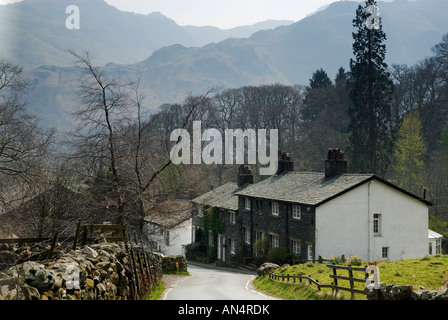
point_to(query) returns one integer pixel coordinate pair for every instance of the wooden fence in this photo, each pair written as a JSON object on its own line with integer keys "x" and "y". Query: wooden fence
{"x": 144, "y": 274}
{"x": 334, "y": 285}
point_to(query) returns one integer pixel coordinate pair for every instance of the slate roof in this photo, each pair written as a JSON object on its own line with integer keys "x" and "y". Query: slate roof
{"x": 169, "y": 214}
{"x": 222, "y": 197}
{"x": 310, "y": 188}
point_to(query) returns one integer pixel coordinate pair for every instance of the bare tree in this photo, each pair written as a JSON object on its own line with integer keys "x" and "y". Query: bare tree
{"x": 23, "y": 143}
{"x": 104, "y": 110}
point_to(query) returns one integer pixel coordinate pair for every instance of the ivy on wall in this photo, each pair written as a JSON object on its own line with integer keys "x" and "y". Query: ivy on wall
{"x": 213, "y": 225}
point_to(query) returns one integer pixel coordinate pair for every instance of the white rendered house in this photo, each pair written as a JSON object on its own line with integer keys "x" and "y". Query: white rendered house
{"x": 168, "y": 227}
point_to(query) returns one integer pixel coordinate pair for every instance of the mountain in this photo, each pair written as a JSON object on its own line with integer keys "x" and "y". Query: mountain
{"x": 209, "y": 34}
{"x": 287, "y": 54}
{"x": 33, "y": 33}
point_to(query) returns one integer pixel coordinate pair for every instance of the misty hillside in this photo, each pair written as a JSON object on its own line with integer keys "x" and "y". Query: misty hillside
{"x": 33, "y": 33}
{"x": 287, "y": 54}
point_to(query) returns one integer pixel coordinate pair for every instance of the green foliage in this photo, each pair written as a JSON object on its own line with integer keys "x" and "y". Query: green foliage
{"x": 261, "y": 248}
{"x": 410, "y": 152}
{"x": 371, "y": 88}
{"x": 280, "y": 255}
{"x": 427, "y": 272}
{"x": 213, "y": 225}
{"x": 320, "y": 80}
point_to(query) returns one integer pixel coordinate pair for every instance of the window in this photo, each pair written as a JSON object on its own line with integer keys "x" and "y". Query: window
{"x": 296, "y": 213}
{"x": 310, "y": 252}
{"x": 274, "y": 209}
{"x": 377, "y": 224}
{"x": 438, "y": 246}
{"x": 247, "y": 203}
{"x": 385, "y": 252}
{"x": 258, "y": 235}
{"x": 166, "y": 237}
{"x": 246, "y": 235}
{"x": 259, "y": 207}
{"x": 210, "y": 238}
{"x": 232, "y": 245}
{"x": 232, "y": 217}
{"x": 295, "y": 247}
{"x": 275, "y": 242}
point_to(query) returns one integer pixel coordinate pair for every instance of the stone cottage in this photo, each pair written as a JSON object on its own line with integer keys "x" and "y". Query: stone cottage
{"x": 321, "y": 214}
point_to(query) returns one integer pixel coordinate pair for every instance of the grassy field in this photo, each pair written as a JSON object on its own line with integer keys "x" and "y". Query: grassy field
{"x": 429, "y": 273}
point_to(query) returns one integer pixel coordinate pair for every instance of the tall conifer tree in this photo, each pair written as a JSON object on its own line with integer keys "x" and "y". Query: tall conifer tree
{"x": 370, "y": 88}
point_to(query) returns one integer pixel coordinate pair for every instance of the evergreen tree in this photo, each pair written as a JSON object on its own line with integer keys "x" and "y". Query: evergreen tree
{"x": 370, "y": 89}
{"x": 410, "y": 153}
{"x": 320, "y": 80}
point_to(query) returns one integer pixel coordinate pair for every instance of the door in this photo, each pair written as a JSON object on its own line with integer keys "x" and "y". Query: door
{"x": 310, "y": 252}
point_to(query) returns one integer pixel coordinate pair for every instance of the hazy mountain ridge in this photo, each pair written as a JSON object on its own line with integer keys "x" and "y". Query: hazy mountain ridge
{"x": 287, "y": 54}
{"x": 33, "y": 33}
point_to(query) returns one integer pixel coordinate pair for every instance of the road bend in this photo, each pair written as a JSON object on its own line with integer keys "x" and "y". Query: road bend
{"x": 214, "y": 284}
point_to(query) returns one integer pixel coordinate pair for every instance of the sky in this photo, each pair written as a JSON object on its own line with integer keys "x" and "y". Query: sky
{"x": 224, "y": 14}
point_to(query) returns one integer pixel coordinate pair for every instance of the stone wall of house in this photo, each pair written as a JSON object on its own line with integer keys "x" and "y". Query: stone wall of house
{"x": 282, "y": 225}
{"x": 99, "y": 271}
{"x": 396, "y": 292}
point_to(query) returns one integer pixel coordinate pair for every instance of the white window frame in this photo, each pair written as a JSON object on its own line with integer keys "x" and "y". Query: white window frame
{"x": 247, "y": 203}
{"x": 246, "y": 235}
{"x": 232, "y": 217}
{"x": 296, "y": 247}
{"x": 275, "y": 241}
{"x": 275, "y": 209}
{"x": 438, "y": 246}
{"x": 377, "y": 224}
{"x": 296, "y": 212}
{"x": 310, "y": 252}
{"x": 232, "y": 245}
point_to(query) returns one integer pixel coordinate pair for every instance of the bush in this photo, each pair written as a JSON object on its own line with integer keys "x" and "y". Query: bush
{"x": 194, "y": 250}
{"x": 280, "y": 256}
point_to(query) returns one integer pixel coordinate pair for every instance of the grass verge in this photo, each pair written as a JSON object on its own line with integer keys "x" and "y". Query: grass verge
{"x": 429, "y": 273}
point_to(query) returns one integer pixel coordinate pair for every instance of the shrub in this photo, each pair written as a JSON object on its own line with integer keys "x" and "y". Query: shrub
{"x": 280, "y": 256}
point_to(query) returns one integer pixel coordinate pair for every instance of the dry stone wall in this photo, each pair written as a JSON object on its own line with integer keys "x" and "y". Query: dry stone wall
{"x": 99, "y": 271}
{"x": 399, "y": 292}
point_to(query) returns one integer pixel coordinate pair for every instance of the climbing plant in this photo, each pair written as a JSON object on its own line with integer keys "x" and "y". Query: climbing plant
{"x": 213, "y": 225}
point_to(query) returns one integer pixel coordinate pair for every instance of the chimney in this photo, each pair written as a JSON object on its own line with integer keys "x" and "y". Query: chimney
{"x": 285, "y": 162}
{"x": 245, "y": 176}
{"x": 335, "y": 162}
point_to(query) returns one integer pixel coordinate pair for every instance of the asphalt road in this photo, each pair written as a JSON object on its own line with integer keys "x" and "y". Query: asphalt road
{"x": 214, "y": 284}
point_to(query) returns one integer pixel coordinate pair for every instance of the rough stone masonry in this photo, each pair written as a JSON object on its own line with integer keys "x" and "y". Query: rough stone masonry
{"x": 95, "y": 272}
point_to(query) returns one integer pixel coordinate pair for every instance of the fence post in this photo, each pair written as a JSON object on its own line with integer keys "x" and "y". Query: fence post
{"x": 76, "y": 234}
{"x": 352, "y": 285}
{"x": 53, "y": 245}
{"x": 335, "y": 279}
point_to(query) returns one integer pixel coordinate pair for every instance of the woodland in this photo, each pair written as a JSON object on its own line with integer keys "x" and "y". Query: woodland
{"x": 115, "y": 166}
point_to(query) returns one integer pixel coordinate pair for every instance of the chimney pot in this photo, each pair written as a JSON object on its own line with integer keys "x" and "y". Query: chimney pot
{"x": 335, "y": 162}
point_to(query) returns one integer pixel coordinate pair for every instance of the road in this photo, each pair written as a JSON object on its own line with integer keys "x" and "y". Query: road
{"x": 214, "y": 284}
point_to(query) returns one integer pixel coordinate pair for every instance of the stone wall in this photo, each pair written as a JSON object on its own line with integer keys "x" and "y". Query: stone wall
{"x": 169, "y": 264}
{"x": 396, "y": 292}
{"x": 95, "y": 272}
